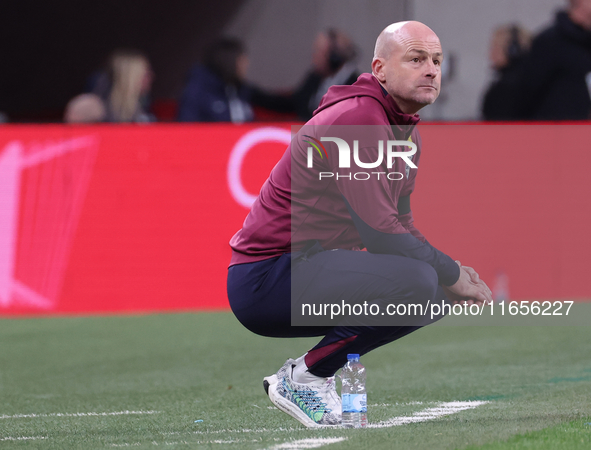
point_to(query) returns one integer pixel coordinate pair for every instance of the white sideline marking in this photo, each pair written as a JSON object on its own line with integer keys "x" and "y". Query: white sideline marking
{"x": 92, "y": 414}
{"x": 440, "y": 410}
{"x": 22, "y": 438}
{"x": 216, "y": 441}
{"x": 444, "y": 409}
{"x": 396, "y": 404}
{"x": 247, "y": 430}
{"x": 307, "y": 443}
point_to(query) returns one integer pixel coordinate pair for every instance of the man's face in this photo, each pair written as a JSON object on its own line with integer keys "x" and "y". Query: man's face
{"x": 320, "y": 54}
{"x": 412, "y": 70}
{"x": 242, "y": 63}
{"x": 581, "y": 10}
{"x": 497, "y": 50}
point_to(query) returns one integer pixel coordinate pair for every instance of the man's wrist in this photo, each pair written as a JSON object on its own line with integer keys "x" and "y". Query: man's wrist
{"x": 451, "y": 278}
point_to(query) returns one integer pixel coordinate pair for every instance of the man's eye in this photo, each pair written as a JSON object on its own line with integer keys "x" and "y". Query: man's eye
{"x": 437, "y": 62}
{"x": 415, "y": 60}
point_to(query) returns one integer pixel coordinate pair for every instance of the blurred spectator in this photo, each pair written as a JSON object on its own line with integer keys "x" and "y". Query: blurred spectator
{"x": 332, "y": 63}
{"x": 85, "y": 108}
{"x": 215, "y": 91}
{"x": 557, "y": 78}
{"x": 508, "y": 47}
{"x": 130, "y": 78}
{"x": 124, "y": 86}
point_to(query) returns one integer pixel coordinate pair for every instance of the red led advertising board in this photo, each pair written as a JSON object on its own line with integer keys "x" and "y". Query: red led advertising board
{"x": 107, "y": 219}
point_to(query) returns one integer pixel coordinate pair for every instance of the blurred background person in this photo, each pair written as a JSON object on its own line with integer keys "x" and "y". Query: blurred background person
{"x": 557, "y": 78}
{"x": 508, "y": 47}
{"x": 216, "y": 91}
{"x": 85, "y": 108}
{"x": 130, "y": 77}
{"x": 124, "y": 86}
{"x": 333, "y": 62}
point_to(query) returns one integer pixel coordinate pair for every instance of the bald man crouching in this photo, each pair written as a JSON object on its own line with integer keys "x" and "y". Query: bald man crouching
{"x": 299, "y": 248}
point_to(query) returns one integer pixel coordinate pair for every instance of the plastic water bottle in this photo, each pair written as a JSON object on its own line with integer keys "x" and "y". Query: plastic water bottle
{"x": 353, "y": 393}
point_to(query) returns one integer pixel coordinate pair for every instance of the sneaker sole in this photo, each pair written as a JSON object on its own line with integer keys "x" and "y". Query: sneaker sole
{"x": 268, "y": 381}
{"x": 288, "y": 407}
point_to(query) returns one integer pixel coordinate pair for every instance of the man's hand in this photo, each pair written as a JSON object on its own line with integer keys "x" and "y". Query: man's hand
{"x": 469, "y": 287}
{"x": 473, "y": 275}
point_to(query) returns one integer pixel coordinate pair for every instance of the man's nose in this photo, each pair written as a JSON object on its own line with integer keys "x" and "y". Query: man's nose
{"x": 432, "y": 69}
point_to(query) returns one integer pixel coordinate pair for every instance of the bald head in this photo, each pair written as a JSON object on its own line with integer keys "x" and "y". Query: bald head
{"x": 407, "y": 63}
{"x": 398, "y": 34}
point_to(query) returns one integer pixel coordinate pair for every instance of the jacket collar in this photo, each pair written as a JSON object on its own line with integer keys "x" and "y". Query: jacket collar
{"x": 395, "y": 114}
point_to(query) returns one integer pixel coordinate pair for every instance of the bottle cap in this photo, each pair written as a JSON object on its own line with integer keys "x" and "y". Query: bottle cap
{"x": 352, "y": 356}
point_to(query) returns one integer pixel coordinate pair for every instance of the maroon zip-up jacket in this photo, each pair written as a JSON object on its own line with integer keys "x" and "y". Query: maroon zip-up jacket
{"x": 342, "y": 207}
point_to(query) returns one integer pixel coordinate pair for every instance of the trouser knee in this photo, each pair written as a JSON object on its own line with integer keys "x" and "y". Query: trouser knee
{"x": 423, "y": 283}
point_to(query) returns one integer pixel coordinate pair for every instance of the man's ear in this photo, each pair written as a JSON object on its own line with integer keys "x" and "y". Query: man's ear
{"x": 377, "y": 68}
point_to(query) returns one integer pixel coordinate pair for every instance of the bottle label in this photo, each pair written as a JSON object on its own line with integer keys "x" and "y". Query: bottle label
{"x": 354, "y": 402}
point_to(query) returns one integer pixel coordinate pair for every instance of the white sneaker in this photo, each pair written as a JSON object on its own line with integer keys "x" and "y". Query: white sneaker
{"x": 313, "y": 404}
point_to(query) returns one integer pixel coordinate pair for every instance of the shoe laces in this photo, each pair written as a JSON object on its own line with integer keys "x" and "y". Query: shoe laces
{"x": 312, "y": 398}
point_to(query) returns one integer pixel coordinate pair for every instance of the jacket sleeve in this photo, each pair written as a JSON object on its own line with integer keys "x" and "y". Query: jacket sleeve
{"x": 407, "y": 245}
{"x": 406, "y": 219}
{"x": 374, "y": 207}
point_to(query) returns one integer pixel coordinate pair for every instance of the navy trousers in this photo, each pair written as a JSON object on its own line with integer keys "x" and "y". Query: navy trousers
{"x": 261, "y": 297}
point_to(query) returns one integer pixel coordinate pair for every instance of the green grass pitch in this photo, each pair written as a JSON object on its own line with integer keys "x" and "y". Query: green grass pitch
{"x": 195, "y": 381}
